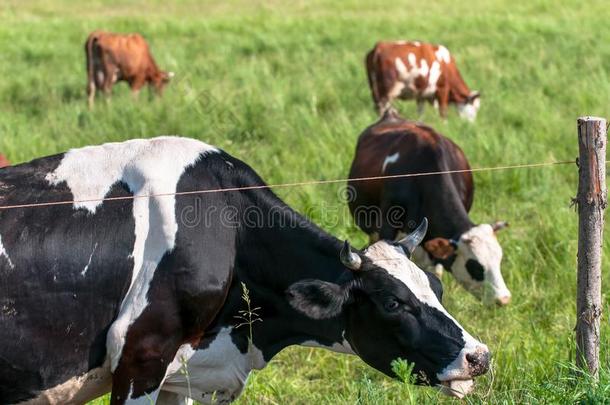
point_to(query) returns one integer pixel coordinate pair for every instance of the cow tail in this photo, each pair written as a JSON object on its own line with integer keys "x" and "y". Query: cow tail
{"x": 89, "y": 55}
{"x": 370, "y": 70}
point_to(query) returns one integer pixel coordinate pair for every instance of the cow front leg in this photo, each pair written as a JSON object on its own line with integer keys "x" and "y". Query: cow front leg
{"x": 141, "y": 352}
{"x": 136, "y": 85}
{"x": 142, "y": 368}
{"x": 443, "y": 101}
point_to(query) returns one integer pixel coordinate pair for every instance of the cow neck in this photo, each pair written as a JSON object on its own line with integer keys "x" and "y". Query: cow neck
{"x": 287, "y": 247}
{"x": 459, "y": 92}
{"x": 273, "y": 257}
{"x": 451, "y": 219}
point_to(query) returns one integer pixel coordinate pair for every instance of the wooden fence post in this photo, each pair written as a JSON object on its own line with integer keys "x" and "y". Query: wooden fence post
{"x": 591, "y": 199}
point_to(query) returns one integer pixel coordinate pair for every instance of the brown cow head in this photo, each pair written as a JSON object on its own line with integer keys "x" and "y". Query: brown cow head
{"x": 160, "y": 79}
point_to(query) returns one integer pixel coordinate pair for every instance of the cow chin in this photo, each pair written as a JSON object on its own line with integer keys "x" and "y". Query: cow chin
{"x": 467, "y": 111}
{"x": 457, "y": 388}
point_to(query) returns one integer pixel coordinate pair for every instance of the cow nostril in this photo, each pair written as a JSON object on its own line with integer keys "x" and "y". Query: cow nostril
{"x": 472, "y": 358}
{"x": 501, "y": 301}
{"x": 478, "y": 362}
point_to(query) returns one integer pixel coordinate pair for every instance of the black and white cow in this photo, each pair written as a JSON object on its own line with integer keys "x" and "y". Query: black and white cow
{"x": 394, "y": 146}
{"x": 123, "y": 294}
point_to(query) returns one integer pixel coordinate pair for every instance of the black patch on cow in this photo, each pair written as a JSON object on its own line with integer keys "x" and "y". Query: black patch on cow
{"x": 57, "y": 317}
{"x": 317, "y": 299}
{"x": 446, "y": 263}
{"x": 476, "y": 271}
{"x": 436, "y": 285}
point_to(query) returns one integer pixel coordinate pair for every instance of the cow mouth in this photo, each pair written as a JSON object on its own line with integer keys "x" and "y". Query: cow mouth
{"x": 457, "y": 388}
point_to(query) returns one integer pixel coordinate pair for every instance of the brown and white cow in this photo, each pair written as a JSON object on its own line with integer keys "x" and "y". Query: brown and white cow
{"x": 420, "y": 71}
{"x": 386, "y": 209}
{"x": 115, "y": 57}
{"x": 4, "y": 161}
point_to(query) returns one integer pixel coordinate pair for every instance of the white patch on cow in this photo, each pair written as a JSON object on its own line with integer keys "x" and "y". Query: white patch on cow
{"x": 389, "y": 160}
{"x": 424, "y": 69}
{"x": 337, "y": 347}
{"x": 145, "y": 399}
{"x": 435, "y": 73}
{"x": 393, "y": 260}
{"x": 147, "y": 167}
{"x": 416, "y": 43}
{"x": 480, "y": 243}
{"x": 408, "y": 76}
{"x": 468, "y": 111}
{"x": 412, "y": 59}
{"x": 77, "y": 390}
{"x": 396, "y": 90}
{"x": 442, "y": 54}
{"x": 401, "y": 68}
{"x": 220, "y": 371}
{"x": 5, "y": 254}
{"x": 82, "y": 273}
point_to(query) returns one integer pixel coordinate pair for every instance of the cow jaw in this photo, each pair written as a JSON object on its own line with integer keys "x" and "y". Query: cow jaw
{"x": 457, "y": 388}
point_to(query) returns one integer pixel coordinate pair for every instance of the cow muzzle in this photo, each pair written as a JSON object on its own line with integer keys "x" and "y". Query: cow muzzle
{"x": 457, "y": 378}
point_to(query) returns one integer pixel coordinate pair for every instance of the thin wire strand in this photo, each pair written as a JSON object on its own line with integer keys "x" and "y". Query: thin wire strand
{"x": 285, "y": 185}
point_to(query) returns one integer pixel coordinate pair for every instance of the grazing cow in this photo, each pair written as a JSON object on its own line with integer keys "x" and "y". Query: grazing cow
{"x": 420, "y": 71}
{"x": 393, "y": 146}
{"x": 4, "y": 161}
{"x": 114, "y": 57}
{"x": 126, "y": 292}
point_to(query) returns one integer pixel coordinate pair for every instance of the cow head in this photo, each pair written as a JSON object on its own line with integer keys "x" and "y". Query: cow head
{"x": 474, "y": 260}
{"x": 392, "y": 309}
{"x": 161, "y": 79}
{"x": 469, "y": 108}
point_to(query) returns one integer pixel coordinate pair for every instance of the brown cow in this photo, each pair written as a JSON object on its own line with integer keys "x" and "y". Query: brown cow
{"x": 389, "y": 208}
{"x": 420, "y": 71}
{"x": 4, "y": 161}
{"x": 114, "y": 57}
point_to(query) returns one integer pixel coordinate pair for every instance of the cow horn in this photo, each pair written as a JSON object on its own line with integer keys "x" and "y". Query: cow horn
{"x": 350, "y": 259}
{"x": 412, "y": 240}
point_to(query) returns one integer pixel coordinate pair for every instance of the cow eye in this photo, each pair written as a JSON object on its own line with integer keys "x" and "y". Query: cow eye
{"x": 391, "y": 305}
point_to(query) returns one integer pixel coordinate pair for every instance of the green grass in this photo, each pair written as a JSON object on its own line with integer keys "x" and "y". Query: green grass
{"x": 282, "y": 86}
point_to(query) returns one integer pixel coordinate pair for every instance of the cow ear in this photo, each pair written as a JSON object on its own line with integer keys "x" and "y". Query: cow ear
{"x": 440, "y": 248}
{"x": 317, "y": 299}
{"x": 499, "y": 225}
{"x": 474, "y": 95}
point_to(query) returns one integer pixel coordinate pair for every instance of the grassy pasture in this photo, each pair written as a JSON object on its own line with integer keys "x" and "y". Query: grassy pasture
{"x": 282, "y": 86}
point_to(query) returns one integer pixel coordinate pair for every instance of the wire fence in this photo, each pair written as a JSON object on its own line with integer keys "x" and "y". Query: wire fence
{"x": 287, "y": 185}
